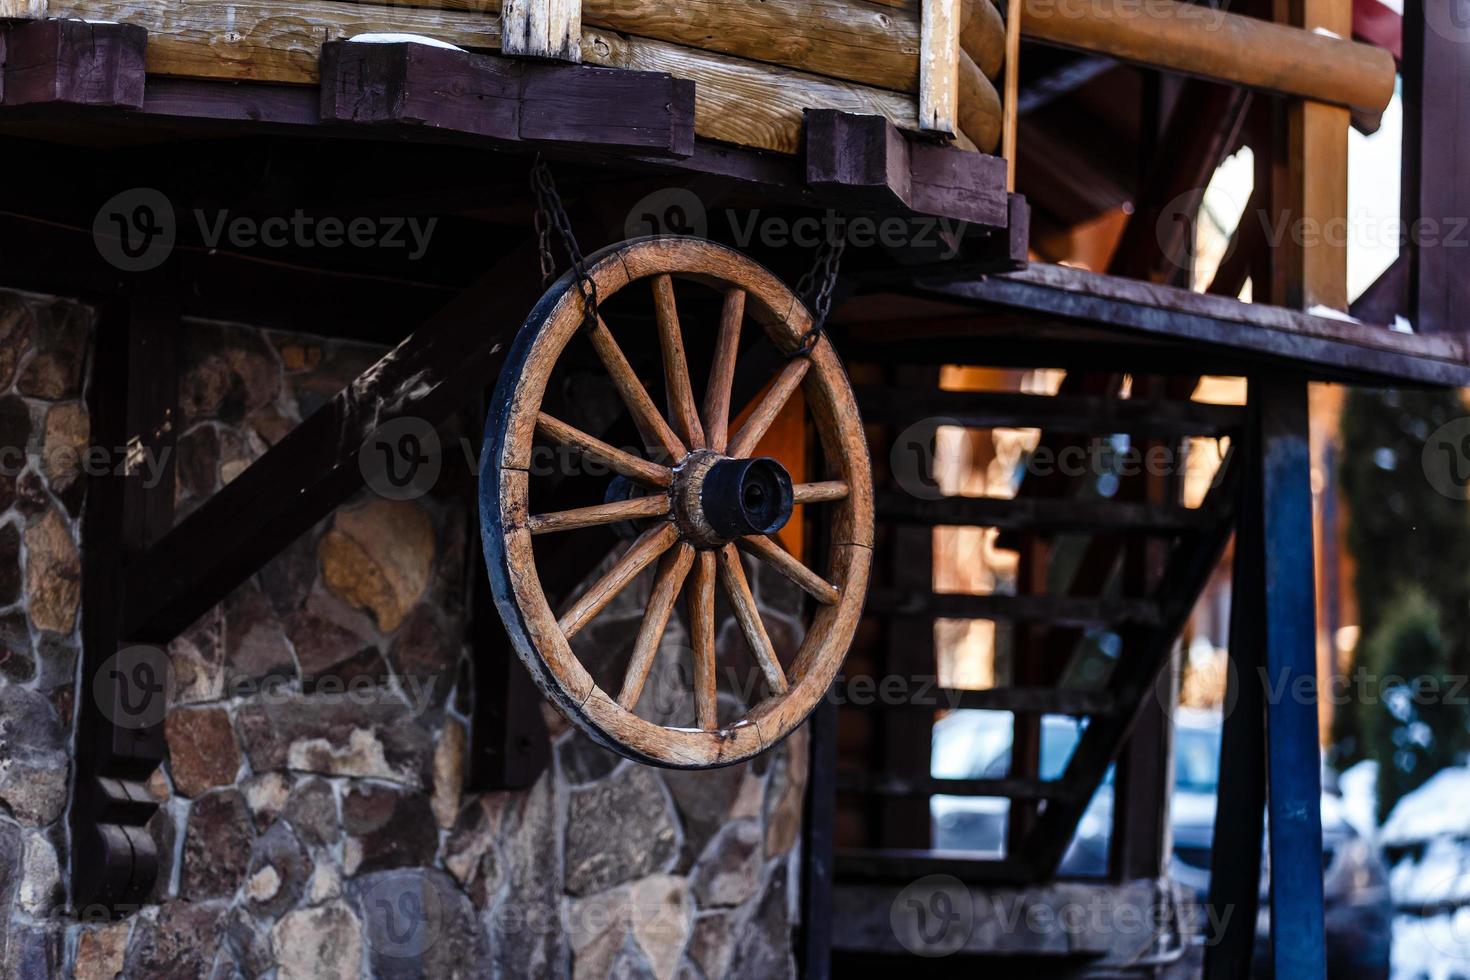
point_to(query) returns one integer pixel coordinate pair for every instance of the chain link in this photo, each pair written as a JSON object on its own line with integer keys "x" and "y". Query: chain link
{"x": 817, "y": 286}
{"x": 551, "y": 215}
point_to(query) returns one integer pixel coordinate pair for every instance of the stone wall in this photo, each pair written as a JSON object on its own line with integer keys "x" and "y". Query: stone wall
{"x": 312, "y": 819}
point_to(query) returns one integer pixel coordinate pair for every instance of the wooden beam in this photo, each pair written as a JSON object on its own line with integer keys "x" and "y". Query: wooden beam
{"x": 542, "y": 29}
{"x": 1436, "y": 146}
{"x": 1052, "y": 610}
{"x": 1053, "y": 515}
{"x": 1293, "y": 759}
{"x": 51, "y": 62}
{"x": 872, "y": 157}
{"x": 1207, "y": 43}
{"x": 326, "y": 458}
{"x": 1082, "y": 414}
{"x": 403, "y": 85}
{"x": 1309, "y": 184}
{"x": 1011, "y": 104}
{"x": 939, "y": 65}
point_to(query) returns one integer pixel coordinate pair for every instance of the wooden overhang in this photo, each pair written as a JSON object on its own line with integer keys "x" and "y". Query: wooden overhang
{"x": 1088, "y": 320}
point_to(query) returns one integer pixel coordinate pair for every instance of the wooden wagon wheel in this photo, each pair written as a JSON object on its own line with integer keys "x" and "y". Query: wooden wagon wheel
{"x": 713, "y": 498}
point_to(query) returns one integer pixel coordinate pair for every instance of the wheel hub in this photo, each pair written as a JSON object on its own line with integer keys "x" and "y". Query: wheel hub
{"x": 718, "y": 499}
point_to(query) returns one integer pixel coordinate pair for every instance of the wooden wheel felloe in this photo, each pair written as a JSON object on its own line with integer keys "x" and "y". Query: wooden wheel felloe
{"x": 704, "y": 498}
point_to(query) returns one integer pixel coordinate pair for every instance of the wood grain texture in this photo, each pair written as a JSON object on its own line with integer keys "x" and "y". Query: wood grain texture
{"x": 768, "y": 407}
{"x": 702, "y": 640}
{"x": 657, "y": 435}
{"x": 1010, "y": 115}
{"x": 682, "y": 407}
{"x": 600, "y": 514}
{"x": 748, "y": 616}
{"x": 1222, "y": 47}
{"x": 673, "y": 569}
{"x": 645, "y": 551}
{"x": 641, "y": 470}
{"x": 722, "y": 372}
{"x": 820, "y": 493}
{"x": 980, "y": 112}
{"x": 747, "y": 102}
{"x": 787, "y": 564}
{"x": 939, "y": 54}
{"x": 67, "y": 62}
{"x": 534, "y": 630}
{"x": 542, "y": 28}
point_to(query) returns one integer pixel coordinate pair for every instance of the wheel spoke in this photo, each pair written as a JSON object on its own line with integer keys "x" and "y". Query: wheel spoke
{"x": 784, "y": 562}
{"x": 737, "y": 587}
{"x": 682, "y": 410}
{"x": 769, "y": 407}
{"x": 722, "y": 372}
{"x": 620, "y": 510}
{"x": 673, "y": 569}
{"x": 819, "y": 493}
{"x": 702, "y": 639}
{"x": 653, "y": 542}
{"x": 615, "y": 459}
{"x": 656, "y": 432}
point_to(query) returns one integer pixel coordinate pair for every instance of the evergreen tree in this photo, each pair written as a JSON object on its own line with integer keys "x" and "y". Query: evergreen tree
{"x": 1411, "y": 550}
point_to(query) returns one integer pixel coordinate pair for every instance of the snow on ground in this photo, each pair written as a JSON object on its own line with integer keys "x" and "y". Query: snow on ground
{"x": 1359, "y": 789}
{"x": 1441, "y": 807}
{"x": 1430, "y": 882}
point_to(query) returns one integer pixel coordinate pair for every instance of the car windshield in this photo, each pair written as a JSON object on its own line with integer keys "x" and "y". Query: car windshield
{"x": 1196, "y": 759}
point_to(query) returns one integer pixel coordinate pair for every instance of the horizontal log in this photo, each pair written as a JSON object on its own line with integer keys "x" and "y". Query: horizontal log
{"x": 738, "y": 101}
{"x": 980, "y": 114}
{"x": 1206, "y": 43}
{"x": 747, "y": 102}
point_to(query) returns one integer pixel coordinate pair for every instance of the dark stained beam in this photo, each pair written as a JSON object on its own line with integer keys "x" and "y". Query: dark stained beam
{"x": 324, "y": 460}
{"x": 71, "y": 62}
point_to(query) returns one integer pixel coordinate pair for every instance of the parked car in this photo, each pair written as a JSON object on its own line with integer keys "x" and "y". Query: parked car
{"x": 977, "y": 745}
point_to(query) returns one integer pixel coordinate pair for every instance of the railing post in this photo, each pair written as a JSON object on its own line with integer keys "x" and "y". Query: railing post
{"x": 939, "y": 66}
{"x": 542, "y": 29}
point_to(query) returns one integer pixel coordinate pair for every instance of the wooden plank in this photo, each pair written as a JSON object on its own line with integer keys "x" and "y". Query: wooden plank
{"x": 1052, "y": 610}
{"x": 1235, "y": 857}
{"x": 1294, "y": 761}
{"x": 1223, "y": 47}
{"x": 939, "y": 66}
{"x": 885, "y": 784}
{"x": 1044, "y": 514}
{"x": 1055, "y": 413}
{"x": 542, "y": 28}
{"x": 1329, "y": 349}
{"x": 50, "y": 62}
{"x": 325, "y": 459}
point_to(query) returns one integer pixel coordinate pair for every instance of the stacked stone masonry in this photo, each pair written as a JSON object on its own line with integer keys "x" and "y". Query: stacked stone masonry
{"x": 312, "y": 820}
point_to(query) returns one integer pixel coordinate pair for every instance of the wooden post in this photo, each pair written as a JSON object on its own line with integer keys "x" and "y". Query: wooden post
{"x": 939, "y": 66}
{"x": 542, "y": 29}
{"x": 1310, "y": 194}
{"x": 1293, "y": 760}
{"x": 1009, "y": 115}
{"x": 1436, "y": 141}
{"x": 1235, "y": 858}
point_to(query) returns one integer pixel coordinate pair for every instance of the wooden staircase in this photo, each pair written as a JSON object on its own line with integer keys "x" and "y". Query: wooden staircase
{"x": 1129, "y": 564}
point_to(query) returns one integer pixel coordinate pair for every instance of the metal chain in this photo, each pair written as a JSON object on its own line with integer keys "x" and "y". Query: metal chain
{"x": 817, "y": 286}
{"x": 550, "y": 214}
